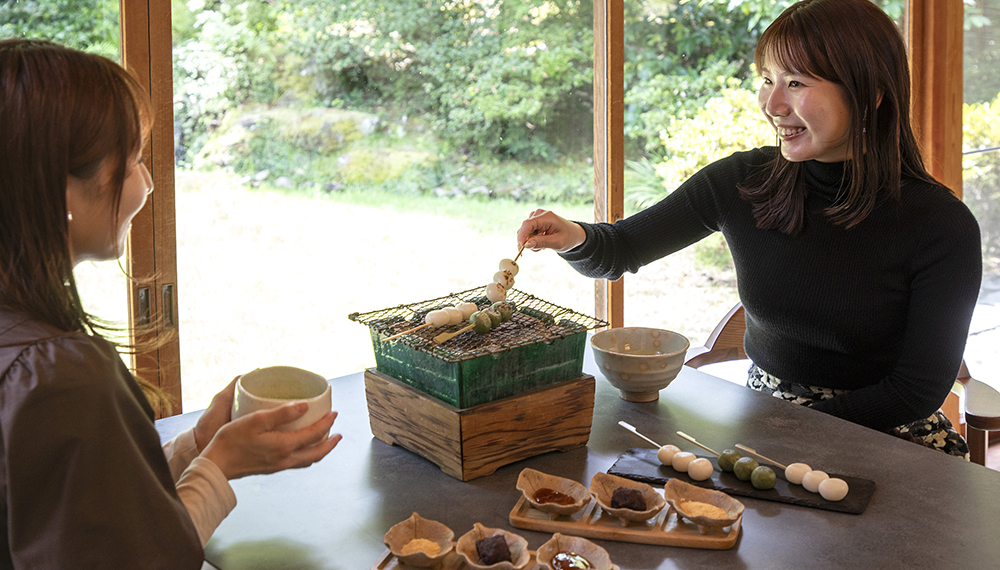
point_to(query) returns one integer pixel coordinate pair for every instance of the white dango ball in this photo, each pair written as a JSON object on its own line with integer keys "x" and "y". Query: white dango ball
{"x": 833, "y": 489}
{"x": 795, "y": 472}
{"x": 682, "y": 460}
{"x": 467, "y": 309}
{"x": 495, "y": 292}
{"x": 812, "y": 480}
{"x": 700, "y": 469}
{"x": 438, "y": 318}
{"x": 666, "y": 454}
{"x": 455, "y": 316}
{"x": 504, "y": 278}
{"x": 509, "y": 265}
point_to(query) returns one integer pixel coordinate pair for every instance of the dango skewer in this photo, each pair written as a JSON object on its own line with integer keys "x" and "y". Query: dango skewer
{"x": 695, "y": 441}
{"x": 433, "y": 319}
{"x": 753, "y": 452}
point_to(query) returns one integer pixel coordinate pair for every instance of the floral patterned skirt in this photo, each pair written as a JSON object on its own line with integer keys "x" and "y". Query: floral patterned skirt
{"x": 935, "y": 432}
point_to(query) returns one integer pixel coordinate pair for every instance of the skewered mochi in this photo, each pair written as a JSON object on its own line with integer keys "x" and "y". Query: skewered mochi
{"x": 481, "y": 322}
{"x": 700, "y": 469}
{"x": 454, "y": 316}
{"x": 506, "y": 310}
{"x": 467, "y": 309}
{"x": 493, "y": 549}
{"x": 504, "y": 278}
{"x": 625, "y": 498}
{"x": 438, "y": 318}
{"x": 509, "y": 265}
{"x": 795, "y": 472}
{"x": 495, "y": 292}
{"x": 666, "y": 454}
{"x": 494, "y": 316}
{"x": 833, "y": 489}
{"x": 812, "y": 479}
{"x": 682, "y": 460}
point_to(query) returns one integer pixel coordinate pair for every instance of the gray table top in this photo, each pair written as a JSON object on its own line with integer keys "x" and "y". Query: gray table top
{"x": 928, "y": 510}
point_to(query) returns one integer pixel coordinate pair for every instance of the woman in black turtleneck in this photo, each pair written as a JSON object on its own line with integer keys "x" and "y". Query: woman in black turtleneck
{"x": 858, "y": 271}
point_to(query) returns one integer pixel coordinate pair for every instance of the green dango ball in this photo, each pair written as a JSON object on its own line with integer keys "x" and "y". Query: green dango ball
{"x": 744, "y": 467}
{"x": 481, "y": 322}
{"x": 763, "y": 478}
{"x": 494, "y": 315}
{"x": 728, "y": 458}
{"x": 506, "y": 310}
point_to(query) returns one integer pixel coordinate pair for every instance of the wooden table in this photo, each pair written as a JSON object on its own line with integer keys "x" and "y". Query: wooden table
{"x": 929, "y": 510}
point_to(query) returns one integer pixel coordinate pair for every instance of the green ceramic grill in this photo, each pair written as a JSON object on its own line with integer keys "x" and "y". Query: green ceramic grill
{"x": 542, "y": 344}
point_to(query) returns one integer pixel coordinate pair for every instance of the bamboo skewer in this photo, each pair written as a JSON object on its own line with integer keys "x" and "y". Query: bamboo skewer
{"x": 408, "y": 331}
{"x": 520, "y": 251}
{"x": 445, "y": 337}
{"x": 695, "y": 441}
{"x": 753, "y": 452}
{"x": 632, "y": 429}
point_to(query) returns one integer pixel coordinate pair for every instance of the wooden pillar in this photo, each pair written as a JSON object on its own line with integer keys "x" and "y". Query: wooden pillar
{"x": 609, "y": 139}
{"x": 934, "y": 37}
{"x": 147, "y": 53}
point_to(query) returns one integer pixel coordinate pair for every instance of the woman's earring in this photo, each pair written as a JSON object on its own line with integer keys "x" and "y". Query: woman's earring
{"x": 69, "y": 216}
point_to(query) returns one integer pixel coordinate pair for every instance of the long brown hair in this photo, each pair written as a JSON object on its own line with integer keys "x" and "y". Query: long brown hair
{"x": 64, "y": 113}
{"x": 855, "y": 45}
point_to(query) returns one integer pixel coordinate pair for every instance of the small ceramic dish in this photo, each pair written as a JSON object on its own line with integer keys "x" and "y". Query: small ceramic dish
{"x": 518, "y": 546}
{"x": 602, "y": 487}
{"x": 414, "y": 528}
{"x": 685, "y": 498}
{"x": 560, "y": 543}
{"x": 530, "y": 482}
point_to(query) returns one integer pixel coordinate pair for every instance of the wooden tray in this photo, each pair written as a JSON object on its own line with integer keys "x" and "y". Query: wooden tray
{"x": 641, "y": 464}
{"x": 664, "y": 529}
{"x": 452, "y": 561}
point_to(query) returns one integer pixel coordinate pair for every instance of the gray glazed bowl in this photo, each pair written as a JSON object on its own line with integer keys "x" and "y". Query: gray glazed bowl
{"x": 639, "y": 361}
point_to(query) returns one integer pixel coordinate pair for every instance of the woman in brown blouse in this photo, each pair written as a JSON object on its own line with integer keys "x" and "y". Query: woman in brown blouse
{"x": 84, "y": 481}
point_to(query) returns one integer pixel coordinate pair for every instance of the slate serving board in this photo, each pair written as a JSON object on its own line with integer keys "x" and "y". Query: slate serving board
{"x": 641, "y": 464}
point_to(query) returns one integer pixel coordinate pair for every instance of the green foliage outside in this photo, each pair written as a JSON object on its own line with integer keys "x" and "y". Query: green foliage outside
{"x": 981, "y": 175}
{"x": 89, "y": 25}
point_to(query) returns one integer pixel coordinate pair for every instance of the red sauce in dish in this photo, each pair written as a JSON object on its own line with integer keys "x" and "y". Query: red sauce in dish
{"x": 570, "y": 561}
{"x": 552, "y": 496}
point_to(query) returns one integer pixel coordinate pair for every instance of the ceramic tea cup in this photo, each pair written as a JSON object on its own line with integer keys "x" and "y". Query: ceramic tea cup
{"x": 274, "y": 386}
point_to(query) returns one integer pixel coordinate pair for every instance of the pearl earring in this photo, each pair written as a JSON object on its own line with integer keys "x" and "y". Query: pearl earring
{"x": 69, "y": 216}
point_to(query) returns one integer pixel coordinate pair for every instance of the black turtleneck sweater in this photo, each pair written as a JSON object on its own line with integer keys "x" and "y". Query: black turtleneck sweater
{"x": 881, "y": 309}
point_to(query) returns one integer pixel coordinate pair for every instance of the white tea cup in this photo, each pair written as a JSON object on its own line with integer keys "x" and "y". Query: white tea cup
{"x": 275, "y": 386}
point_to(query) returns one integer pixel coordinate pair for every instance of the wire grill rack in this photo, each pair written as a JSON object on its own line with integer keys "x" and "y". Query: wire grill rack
{"x": 534, "y": 320}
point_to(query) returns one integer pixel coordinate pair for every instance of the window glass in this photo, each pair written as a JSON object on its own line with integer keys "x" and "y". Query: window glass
{"x": 981, "y": 176}
{"x": 337, "y": 157}
{"x": 92, "y": 26}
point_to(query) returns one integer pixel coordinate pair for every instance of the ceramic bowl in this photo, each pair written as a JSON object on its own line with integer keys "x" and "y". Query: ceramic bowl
{"x": 274, "y": 386}
{"x": 681, "y": 495}
{"x": 602, "y": 487}
{"x": 530, "y": 481}
{"x": 417, "y": 527}
{"x": 518, "y": 546}
{"x": 597, "y": 556}
{"x": 639, "y": 361}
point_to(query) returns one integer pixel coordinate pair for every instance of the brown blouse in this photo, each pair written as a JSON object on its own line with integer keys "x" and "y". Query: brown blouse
{"x": 83, "y": 479}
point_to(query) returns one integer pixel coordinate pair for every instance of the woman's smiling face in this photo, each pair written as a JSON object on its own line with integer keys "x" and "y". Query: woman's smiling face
{"x": 808, "y": 113}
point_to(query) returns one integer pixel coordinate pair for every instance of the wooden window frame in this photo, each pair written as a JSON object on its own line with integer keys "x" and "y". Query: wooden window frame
{"x": 934, "y": 34}
{"x": 152, "y": 249}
